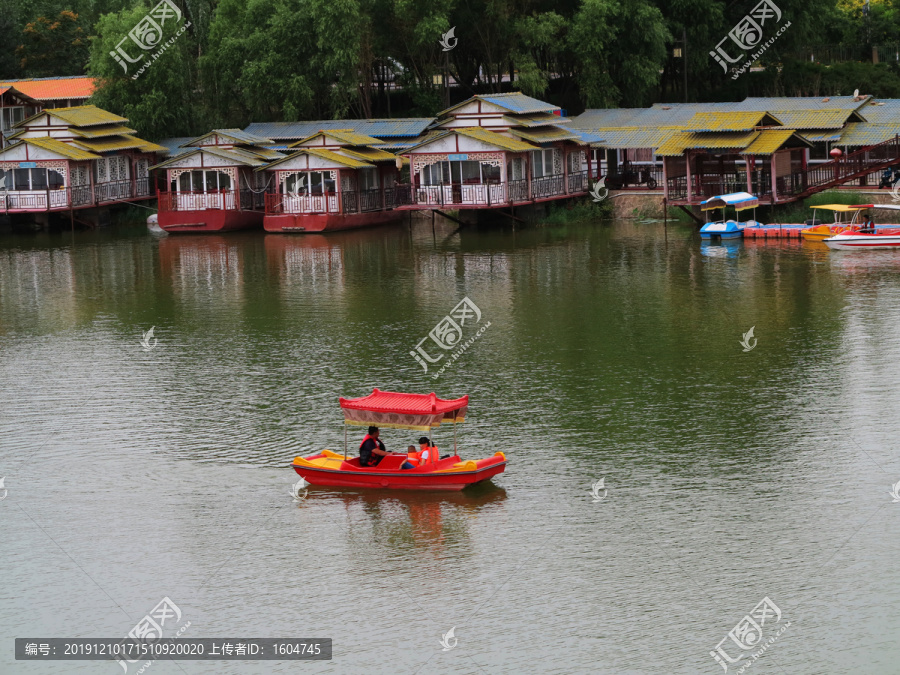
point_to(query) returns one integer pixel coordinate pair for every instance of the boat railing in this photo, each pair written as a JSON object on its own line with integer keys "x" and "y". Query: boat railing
{"x": 218, "y": 200}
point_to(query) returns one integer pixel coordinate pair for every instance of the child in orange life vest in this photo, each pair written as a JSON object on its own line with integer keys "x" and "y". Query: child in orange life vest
{"x": 428, "y": 454}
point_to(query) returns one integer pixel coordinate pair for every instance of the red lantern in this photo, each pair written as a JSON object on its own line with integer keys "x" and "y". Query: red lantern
{"x": 835, "y": 152}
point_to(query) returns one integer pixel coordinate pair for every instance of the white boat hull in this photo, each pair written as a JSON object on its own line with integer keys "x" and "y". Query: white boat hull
{"x": 856, "y": 241}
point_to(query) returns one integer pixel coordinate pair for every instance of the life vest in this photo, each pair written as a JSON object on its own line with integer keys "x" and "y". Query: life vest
{"x": 371, "y": 454}
{"x": 430, "y": 460}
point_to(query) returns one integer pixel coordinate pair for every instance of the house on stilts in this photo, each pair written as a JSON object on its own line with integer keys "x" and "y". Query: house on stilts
{"x": 212, "y": 186}
{"x": 67, "y": 159}
{"x": 497, "y": 152}
{"x": 335, "y": 179}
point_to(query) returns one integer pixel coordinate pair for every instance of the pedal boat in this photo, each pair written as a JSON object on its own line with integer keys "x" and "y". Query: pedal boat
{"x": 728, "y": 229}
{"x": 869, "y": 237}
{"x": 817, "y": 231}
{"x": 394, "y": 410}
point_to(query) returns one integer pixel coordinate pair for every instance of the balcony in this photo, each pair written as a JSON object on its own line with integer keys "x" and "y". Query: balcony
{"x": 218, "y": 200}
{"x": 80, "y": 196}
{"x": 487, "y": 195}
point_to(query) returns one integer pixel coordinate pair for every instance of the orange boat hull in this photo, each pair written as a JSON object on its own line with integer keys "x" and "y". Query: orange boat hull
{"x": 330, "y": 469}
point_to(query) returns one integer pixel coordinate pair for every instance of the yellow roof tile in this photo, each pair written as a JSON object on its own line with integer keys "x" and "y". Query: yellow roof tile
{"x": 121, "y": 142}
{"x": 65, "y": 149}
{"x": 348, "y": 136}
{"x": 85, "y": 116}
{"x": 105, "y": 130}
{"x": 680, "y": 141}
{"x": 733, "y": 120}
{"x": 505, "y": 142}
{"x": 370, "y": 154}
{"x": 768, "y": 141}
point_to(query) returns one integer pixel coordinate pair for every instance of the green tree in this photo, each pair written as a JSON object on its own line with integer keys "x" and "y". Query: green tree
{"x": 160, "y": 100}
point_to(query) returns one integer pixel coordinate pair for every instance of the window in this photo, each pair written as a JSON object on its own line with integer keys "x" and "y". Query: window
{"x": 203, "y": 181}
{"x": 310, "y": 183}
{"x": 368, "y": 179}
{"x": 30, "y": 179}
{"x": 467, "y": 172}
{"x": 541, "y": 163}
{"x": 110, "y": 169}
{"x": 515, "y": 170}
{"x": 11, "y": 116}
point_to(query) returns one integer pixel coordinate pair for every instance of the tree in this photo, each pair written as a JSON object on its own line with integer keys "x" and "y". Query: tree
{"x": 159, "y": 101}
{"x": 53, "y": 46}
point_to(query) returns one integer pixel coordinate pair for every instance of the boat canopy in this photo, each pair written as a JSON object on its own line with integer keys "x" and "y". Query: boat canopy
{"x": 843, "y": 208}
{"x": 394, "y": 410}
{"x": 889, "y": 207}
{"x": 739, "y": 200}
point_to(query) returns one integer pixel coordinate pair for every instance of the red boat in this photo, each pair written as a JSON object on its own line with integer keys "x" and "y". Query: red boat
{"x": 394, "y": 410}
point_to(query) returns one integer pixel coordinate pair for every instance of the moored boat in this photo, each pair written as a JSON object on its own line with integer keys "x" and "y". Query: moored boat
{"x": 870, "y": 236}
{"x": 394, "y": 410}
{"x": 818, "y": 231}
{"x": 888, "y": 237}
{"x": 728, "y": 229}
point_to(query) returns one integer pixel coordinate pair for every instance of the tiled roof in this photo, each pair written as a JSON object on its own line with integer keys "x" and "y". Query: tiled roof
{"x": 535, "y": 120}
{"x": 105, "y": 130}
{"x": 632, "y": 137}
{"x": 347, "y": 136}
{"x": 882, "y": 110}
{"x": 65, "y": 149}
{"x": 515, "y": 102}
{"x": 327, "y": 155}
{"x": 773, "y": 103}
{"x": 238, "y": 136}
{"x": 378, "y": 128}
{"x": 729, "y": 121}
{"x": 833, "y": 118}
{"x": 121, "y": 142}
{"x": 370, "y": 154}
{"x": 770, "y": 140}
{"x": 587, "y": 137}
{"x": 680, "y": 141}
{"x": 867, "y": 133}
{"x": 16, "y": 92}
{"x": 493, "y": 138}
{"x": 82, "y": 116}
{"x": 173, "y": 146}
{"x": 54, "y": 88}
{"x": 238, "y": 156}
{"x": 821, "y": 136}
{"x": 544, "y": 134}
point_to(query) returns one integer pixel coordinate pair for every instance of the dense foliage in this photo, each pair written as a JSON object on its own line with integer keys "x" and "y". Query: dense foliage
{"x": 261, "y": 60}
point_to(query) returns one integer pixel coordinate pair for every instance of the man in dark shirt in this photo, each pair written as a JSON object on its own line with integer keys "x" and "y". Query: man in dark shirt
{"x": 371, "y": 450}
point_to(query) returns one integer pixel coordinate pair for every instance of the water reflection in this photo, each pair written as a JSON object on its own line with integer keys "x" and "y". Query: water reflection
{"x": 395, "y": 522}
{"x": 726, "y": 248}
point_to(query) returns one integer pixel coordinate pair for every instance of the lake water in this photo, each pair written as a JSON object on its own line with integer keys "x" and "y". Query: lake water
{"x": 614, "y": 351}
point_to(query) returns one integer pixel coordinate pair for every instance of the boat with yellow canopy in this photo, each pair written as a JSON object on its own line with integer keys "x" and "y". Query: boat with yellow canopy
{"x": 846, "y": 219}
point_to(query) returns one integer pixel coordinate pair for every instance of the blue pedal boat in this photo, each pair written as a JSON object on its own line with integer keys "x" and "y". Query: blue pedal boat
{"x": 728, "y": 229}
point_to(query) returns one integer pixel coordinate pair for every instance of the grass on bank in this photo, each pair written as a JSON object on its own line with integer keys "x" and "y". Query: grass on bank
{"x": 577, "y": 211}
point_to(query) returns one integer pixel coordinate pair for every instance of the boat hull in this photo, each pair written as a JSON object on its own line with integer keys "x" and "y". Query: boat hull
{"x": 858, "y": 241}
{"x": 300, "y": 223}
{"x": 449, "y": 474}
{"x": 209, "y": 220}
{"x": 823, "y": 232}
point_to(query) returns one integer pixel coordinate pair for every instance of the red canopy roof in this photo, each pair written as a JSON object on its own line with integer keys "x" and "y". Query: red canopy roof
{"x": 403, "y": 404}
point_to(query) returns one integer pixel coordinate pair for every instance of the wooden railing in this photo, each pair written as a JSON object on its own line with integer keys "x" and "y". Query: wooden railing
{"x": 74, "y": 197}
{"x": 798, "y": 183}
{"x": 219, "y": 200}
